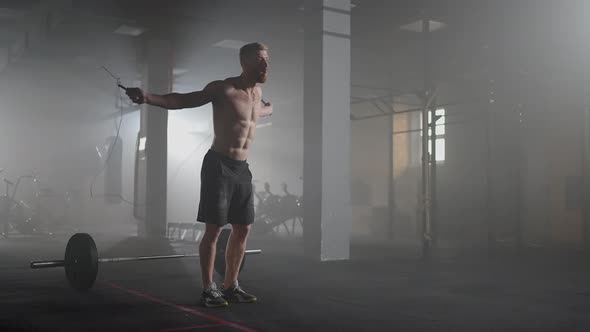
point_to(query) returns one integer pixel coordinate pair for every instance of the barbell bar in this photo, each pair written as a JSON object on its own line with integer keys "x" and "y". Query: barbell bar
{"x": 81, "y": 259}
{"x": 61, "y": 262}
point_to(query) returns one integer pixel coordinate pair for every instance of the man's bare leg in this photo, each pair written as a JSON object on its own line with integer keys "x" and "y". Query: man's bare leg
{"x": 207, "y": 251}
{"x": 236, "y": 246}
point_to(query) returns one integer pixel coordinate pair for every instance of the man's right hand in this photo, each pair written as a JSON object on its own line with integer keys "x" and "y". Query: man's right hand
{"x": 136, "y": 95}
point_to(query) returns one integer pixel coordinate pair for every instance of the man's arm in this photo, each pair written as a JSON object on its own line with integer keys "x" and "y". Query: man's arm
{"x": 265, "y": 109}
{"x": 174, "y": 101}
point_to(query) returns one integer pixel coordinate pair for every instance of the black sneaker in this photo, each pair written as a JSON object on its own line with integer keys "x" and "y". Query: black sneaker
{"x": 237, "y": 295}
{"x": 211, "y": 297}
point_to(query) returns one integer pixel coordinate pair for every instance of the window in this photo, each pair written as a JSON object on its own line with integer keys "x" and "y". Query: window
{"x": 439, "y": 131}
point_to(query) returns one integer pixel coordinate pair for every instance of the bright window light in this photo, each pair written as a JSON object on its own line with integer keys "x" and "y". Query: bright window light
{"x": 142, "y": 144}
{"x": 440, "y": 130}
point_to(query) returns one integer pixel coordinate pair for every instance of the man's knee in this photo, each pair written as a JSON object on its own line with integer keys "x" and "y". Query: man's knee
{"x": 211, "y": 234}
{"x": 240, "y": 231}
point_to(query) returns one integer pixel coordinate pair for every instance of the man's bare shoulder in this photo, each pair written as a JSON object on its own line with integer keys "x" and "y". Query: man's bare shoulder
{"x": 218, "y": 88}
{"x": 230, "y": 82}
{"x": 222, "y": 86}
{"x": 215, "y": 86}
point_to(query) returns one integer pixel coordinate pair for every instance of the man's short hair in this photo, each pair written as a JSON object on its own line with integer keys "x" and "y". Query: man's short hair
{"x": 250, "y": 49}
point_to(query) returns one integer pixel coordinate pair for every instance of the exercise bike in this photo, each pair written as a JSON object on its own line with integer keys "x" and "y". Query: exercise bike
{"x": 16, "y": 215}
{"x": 274, "y": 211}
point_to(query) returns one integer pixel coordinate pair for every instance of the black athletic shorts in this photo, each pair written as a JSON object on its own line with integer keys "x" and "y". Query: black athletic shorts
{"x": 226, "y": 191}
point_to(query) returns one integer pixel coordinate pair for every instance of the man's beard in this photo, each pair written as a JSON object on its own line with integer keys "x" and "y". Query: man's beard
{"x": 262, "y": 78}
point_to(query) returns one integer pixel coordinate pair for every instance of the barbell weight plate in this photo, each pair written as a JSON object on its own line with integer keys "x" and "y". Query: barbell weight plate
{"x": 81, "y": 261}
{"x": 220, "y": 252}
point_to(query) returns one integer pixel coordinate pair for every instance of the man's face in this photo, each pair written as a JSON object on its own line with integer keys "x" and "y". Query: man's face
{"x": 256, "y": 65}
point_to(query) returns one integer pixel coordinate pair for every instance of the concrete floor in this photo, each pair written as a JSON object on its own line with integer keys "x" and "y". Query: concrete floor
{"x": 382, "y": 288}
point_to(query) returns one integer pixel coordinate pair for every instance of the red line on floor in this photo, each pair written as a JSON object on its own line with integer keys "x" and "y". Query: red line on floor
{"x": 195, "y": 312}
{"x": 187, "y": 328}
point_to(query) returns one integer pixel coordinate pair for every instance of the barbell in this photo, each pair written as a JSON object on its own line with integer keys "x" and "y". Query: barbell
{"x": 81, "y": 259}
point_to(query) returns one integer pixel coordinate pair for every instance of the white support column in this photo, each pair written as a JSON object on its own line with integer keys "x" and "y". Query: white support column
{"x": 30, "y": 27}
{"x": 4, "y": 57}
{"x": 154, "y": 129}
{"x": 326, "y": 170}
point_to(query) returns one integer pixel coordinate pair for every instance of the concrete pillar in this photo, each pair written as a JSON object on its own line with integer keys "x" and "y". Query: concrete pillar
{"x": 36, "y": 24}
{"x": 326, "y": 152}
{"x": 586, "y": 179}
{"x": 113, "y": 173}
{"x": 4, "y": 57}
{"x": 154, "y": 133}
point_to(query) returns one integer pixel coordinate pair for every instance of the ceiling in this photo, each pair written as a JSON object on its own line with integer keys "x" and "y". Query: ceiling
{"x": 530, "y": 48}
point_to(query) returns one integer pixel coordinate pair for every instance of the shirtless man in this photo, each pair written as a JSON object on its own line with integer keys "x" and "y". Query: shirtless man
{"x": 226, "y": 180}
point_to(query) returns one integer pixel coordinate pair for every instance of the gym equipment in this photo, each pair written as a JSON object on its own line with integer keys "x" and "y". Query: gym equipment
{"x": 81, "y": 259}
{"x": 274, "y": 211}
{"x": 17, "y": 215}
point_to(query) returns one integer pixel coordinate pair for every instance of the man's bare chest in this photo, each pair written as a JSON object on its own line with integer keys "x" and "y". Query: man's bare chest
{"x": 242, "y": 106}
